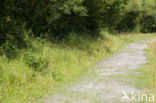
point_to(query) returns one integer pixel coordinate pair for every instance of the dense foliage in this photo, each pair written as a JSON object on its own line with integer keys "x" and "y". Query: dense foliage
{"x": 58, "y": 18}
{"x": 31, "y": 59}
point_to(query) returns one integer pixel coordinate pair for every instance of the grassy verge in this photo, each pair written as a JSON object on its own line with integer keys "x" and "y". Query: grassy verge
{"x": 147, "y": 80}
{"x": 153, "y": 63}
{"x": 148, "y": 77}
{"x": 150, "y": 67}
{"x": 19, "y": 83}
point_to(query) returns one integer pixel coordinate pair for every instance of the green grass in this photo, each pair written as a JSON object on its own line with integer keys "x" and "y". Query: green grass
{"x": 150, "y": 67}
{"x": 148, "y": 78}
{"x": 147, "y": 81}
{"x": 69, "y": 60}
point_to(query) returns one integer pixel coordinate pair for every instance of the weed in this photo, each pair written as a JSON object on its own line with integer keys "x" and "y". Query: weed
{"x": 37, "y": 63}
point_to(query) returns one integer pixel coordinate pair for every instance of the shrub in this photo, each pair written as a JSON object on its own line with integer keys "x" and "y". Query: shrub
{"x": 35, "y": 62}
{"x": 149, "y": 24}
{"x": 9, "y": 50}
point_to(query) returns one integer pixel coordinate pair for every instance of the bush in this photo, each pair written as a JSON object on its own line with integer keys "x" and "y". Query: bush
{"x": 149, "y": 24}
{"x": 36, "y": 63}
{"x": 9, "y": 50}
{"x": 129, "y": 21}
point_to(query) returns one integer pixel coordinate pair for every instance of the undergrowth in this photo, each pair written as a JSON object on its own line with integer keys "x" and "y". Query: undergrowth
{"x": 47, "y": 65}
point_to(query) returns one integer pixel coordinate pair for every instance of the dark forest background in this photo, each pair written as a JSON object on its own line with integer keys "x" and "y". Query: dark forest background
{"x": 56, "y": 19}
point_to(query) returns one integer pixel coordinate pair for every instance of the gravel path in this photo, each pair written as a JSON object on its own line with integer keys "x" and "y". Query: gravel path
{"x": 105, "y": 83}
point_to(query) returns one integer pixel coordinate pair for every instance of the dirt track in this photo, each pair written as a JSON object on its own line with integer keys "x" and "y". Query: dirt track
{"x": 106, "y": 82}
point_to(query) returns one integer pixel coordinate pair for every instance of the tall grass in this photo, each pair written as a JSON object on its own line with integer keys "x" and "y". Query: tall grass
{"x": 69, "y": 59}
{"x": 152, "y": 66}
{"x": 148, "y": 78}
